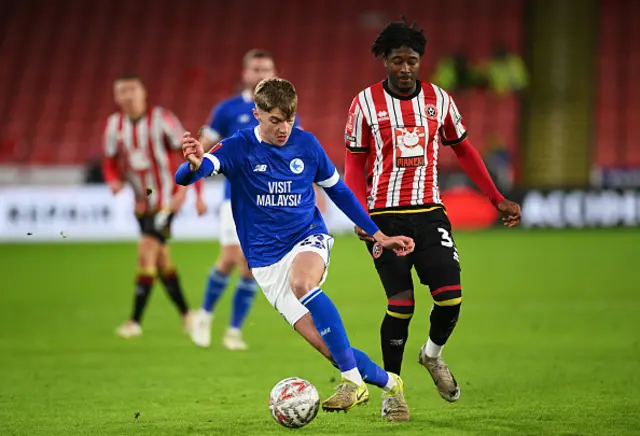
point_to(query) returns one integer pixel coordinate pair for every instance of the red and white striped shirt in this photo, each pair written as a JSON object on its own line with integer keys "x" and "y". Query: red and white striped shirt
{"x": 402, "y": 136}
{"x": 146, "y": 150}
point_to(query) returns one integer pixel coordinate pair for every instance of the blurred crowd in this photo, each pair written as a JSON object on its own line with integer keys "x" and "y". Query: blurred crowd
{"x": 503, "y": 73}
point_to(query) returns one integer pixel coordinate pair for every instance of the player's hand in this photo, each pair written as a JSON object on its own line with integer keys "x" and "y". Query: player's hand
{"x": 116, "y": 186}
{"x": 512, "y": 211}
{"x": 201, "y": 206}
{"x": 401, "y": 245}
{"x": 141, "y": 207}
{"x": 192, "y": 150}
{"x": 362, "y": 234}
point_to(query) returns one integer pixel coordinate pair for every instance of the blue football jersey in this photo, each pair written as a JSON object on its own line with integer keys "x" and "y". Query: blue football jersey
{"x": 231, "y": 115}
{"x": 273, "y": 202}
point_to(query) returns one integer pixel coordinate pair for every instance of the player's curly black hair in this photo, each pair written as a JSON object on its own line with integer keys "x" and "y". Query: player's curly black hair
{"x": 395, "y": 35}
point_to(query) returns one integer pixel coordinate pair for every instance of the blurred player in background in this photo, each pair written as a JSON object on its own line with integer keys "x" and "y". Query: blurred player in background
{"x": 140, "y": 144}
{"x": 394, "y": 133}
{"x": 272, "y": 169}
{"x": 227, "y": 118}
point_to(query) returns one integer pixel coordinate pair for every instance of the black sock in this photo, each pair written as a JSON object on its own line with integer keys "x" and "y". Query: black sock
{"x": 144, "y": 283}
{"x": 172, "y": 285}
{"x": 443, "y": 321}
{"x": 394, "y": 332}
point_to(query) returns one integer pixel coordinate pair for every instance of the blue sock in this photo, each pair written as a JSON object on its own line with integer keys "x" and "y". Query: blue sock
{"x": 371, "y": 373}
{"x": 329, "y": 324}
{"x": 215, "y": 287}
{"x": 242, "y": 301}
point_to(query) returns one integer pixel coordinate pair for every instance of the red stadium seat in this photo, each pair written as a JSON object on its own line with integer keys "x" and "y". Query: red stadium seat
{"x": 617, "y": 92}
{"x": 63, "y": 60}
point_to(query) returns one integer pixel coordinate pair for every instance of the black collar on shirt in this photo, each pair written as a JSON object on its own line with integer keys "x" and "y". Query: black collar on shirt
{"x": 411, "y": 96}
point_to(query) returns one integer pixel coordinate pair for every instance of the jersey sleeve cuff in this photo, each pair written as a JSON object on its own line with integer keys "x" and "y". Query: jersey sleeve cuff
{"x": 330, "y": 182}
{"x": 215, "y": 161}
{"x": 357, "y": 150}
{"x": 455, "y": 141}
{"x": 210, "y": 134}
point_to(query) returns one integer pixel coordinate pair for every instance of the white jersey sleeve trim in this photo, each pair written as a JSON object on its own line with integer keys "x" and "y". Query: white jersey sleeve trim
{"x": 211, "y": 134}
{"x": 215, "y": 161}
{"x": 331, "y": 181}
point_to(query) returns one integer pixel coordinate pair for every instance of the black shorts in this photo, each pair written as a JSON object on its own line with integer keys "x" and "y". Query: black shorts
{"x": 435, "y": 257}
{"x": 150, "y": 226}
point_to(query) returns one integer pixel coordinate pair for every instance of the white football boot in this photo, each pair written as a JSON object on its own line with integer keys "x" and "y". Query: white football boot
{"x": 444, "y": 380}
{"x": 232, "y": 340}
{"x": 129, "y": 329}
{"x": 200, "y": 331}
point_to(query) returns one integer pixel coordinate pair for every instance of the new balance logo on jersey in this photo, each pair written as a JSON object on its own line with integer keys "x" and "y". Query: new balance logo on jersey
{"x": 260, "y": 168}
{"x": 244, "y": 118}
{"x": 325, "y": 331}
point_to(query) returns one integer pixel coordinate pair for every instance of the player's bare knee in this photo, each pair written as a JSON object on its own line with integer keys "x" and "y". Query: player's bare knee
{"x": 225, "y": 266}
{"x": 243, "y": 268}
{"x": 148, "y": 250}
{"x": 165, "y": 265}
{"x": 404, "y": 295}
{"x": 164, "y": 258}
{"x": 246, "y": 273}
{"x": 142, "y": 260}
{"x": 227, "y": 260}
{"x": 301, "y": 285}
{"x": 225, "y": 263}
{"x": 306, "y": 273}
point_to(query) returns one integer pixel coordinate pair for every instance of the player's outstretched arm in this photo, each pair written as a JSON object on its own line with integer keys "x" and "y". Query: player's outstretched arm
{"x": 111, "y": 174}
{"x": 197, "y": 165}
{"x": 355, "y": 179}
{"x": 473, "y": 165}
{"x": 347, "y": 202}
{"x": 110, "y": 169}
{"x": 354, "y": 175}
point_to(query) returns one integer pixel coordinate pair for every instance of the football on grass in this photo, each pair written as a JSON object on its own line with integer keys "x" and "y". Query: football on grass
{"x": 294, "y": 402}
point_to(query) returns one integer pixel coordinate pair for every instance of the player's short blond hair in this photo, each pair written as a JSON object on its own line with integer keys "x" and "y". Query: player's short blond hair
{"x": 276, "y": 93}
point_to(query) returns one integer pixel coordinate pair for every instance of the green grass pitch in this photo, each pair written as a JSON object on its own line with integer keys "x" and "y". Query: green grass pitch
{"x": 547, "y": 344}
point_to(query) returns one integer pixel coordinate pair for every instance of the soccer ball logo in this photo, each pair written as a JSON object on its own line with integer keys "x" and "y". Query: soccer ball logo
{"x": 294, "y": 402}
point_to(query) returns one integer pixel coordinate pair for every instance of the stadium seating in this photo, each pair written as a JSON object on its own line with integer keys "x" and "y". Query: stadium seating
{"x": 58, "y": 59}
{"x": 618, "y": 90}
